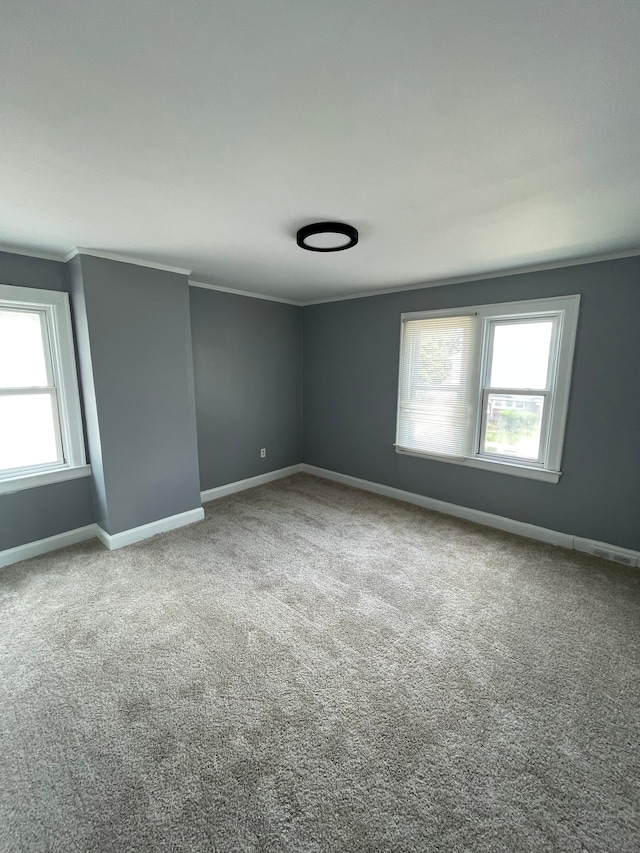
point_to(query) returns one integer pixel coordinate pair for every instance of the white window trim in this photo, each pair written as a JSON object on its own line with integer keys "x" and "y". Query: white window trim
{"x": 550, "y": 471}
{"x": 43, "y": 478}
{"x": 55, "y": 305}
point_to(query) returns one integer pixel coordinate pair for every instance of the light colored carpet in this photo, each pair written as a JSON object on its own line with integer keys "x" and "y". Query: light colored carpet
{"x": 314, "y": 668}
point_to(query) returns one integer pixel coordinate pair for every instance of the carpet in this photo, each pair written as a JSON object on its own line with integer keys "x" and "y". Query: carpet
{"x": 315, "y": 668}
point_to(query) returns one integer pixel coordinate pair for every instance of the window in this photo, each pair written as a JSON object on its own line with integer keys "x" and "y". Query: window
{"x": 40, "y": 423}
{"x": 488, "y": 386}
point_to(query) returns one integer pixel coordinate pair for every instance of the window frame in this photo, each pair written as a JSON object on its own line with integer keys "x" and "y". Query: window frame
{"x": 57, "y": 336}
{"x": 548, "y": 466}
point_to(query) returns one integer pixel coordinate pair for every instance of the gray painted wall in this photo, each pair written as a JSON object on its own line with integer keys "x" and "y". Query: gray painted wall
{"x": 248, "y": 379}
{"x": 33, "y": 272}
{"x": 34, "y": 514}
{"x": 350, "y": 385}
{"x": 137, "y": 375}
{"x": 247, "y": 356}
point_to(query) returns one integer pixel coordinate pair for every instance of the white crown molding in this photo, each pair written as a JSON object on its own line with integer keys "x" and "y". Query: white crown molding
{"x": 124, "y": 259}
{"x": 205, "y": 286}
{"x": 441, "y": 282}
{"x": 43, "y": 546}
{"x": 488, "y": 519}
{"x": 32, "y": 253}
{"x": 249, "y": 483}
{"x": 463, "y": 279}
{"x": 136, "y": 534}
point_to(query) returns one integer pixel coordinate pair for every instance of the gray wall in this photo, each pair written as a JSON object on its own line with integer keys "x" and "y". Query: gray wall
{"x": 350, "y": 385}
{"x": 33, "y": 514}
{"x": 33, "y": 272}
{"x": 247, "y": 356}
{"x": 248, "y": 366}
{"x": 134, "y": 339}
{"x": 46, "y": 510}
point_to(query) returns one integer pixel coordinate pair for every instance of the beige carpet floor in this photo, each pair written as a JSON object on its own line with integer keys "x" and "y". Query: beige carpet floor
{"x": 313, "y": 668}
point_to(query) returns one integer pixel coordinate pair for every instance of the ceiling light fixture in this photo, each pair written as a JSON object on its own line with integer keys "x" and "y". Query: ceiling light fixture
{"x": 327, "y": 237}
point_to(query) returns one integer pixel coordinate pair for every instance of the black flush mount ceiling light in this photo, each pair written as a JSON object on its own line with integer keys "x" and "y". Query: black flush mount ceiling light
{"x": 327, "y": 237}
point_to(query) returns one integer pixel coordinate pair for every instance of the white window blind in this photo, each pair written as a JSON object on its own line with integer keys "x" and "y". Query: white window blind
{"x": 437, "y": 385}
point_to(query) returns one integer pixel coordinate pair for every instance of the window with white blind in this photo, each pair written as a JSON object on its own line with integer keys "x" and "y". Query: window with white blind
{"x": 41, "y": 436}
{"x": 488, "y": 386}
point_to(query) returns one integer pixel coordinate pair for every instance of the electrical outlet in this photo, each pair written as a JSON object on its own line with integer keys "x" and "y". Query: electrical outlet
{"x": 263, "y": 452}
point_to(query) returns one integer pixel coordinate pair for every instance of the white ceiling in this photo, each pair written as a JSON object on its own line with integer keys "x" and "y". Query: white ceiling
{"x": 460, "y": 137}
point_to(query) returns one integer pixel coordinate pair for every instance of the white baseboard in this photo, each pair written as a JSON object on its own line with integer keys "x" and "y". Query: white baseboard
{"x": 608, "y": 552}
{"x": 249, "y": 483}
{"x": 137, "y": 534}
{"x": 43, "y": 546}
{"x": 145, "y": 531}
{"x": 94, "y": 531}
{"x": 510, "y": 525}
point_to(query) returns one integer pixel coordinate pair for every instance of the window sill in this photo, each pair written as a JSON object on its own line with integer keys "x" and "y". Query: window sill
{"x": 43, "y": 478}
{"x": 514, "y": 470}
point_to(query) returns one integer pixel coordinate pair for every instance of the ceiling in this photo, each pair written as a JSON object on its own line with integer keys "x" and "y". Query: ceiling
{"x": 459, "y": 137}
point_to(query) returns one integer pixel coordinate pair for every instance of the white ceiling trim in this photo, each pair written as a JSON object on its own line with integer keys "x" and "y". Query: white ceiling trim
{"x": 125, "y": 259}
{"x": 455, "y": 143}
{"x": 31, "y": 253}
{"x": 51, "y": 256}
{"x": 594, "y": 259}
{"x": 205, "y": 286}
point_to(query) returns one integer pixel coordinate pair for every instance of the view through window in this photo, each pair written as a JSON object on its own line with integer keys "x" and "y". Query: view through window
{"x": 29, "y": 423}
{"x": 487, "y": 384}
{"x": 519, "y": 382}
{"x": 40, "y": 422}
